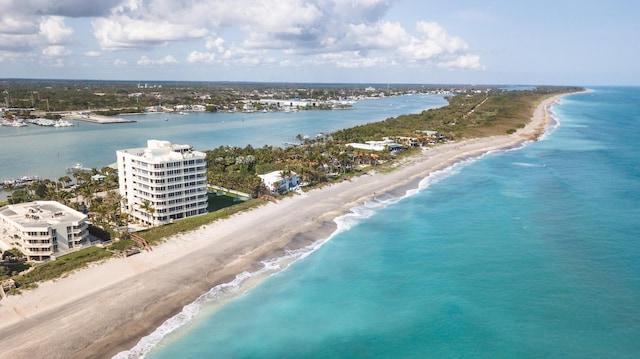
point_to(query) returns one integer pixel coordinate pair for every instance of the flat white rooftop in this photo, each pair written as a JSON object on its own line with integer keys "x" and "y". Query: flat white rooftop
{"x": 160, "y": 151}
{"x": 40, "y": 214}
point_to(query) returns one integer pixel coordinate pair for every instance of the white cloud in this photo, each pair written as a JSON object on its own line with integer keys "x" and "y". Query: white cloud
{"x": 17, "y": 24}
{"x": 12, "y": 56}
{"x": 54, "y": 30}
{"x": 119, "y": 63}
{"x": 22, "y": 33}
{"x": 145, "y": 61}
{"x": 434, "y": 43}
{"x": 362, "y": 10}
{"x": 340, "y": 33}
{"x": 67, "y": 8}
{"x": 122, "y": 32}
{"x": 56, "y": 51}
{"x": 18, "y": 43}
{"x": 217, "y": 44}
{"x": 380, "y": 35}
{"x": 349, "y": 60}
{"x": 462, "y": 62}
{"x": 201, "y": 57}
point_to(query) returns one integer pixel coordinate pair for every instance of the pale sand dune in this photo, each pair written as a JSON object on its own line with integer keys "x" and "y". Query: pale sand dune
{"x": 108, "y": 307}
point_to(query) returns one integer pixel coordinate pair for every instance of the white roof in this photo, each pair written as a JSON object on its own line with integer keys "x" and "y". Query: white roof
{"x": 40, "y": 214}
{"x": 161, "y": 151}
{"x": 275, "y": 176}
{"x": 374, "y": 145}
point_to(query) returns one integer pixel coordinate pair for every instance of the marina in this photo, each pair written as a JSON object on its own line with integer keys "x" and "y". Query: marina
{"x": 13, "y": 183}
{"x": 47, "y": 151}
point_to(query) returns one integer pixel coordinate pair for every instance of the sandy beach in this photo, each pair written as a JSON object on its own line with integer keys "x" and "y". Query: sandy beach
{"x": 106, "y": 308}
{"x": 99, "y": 119}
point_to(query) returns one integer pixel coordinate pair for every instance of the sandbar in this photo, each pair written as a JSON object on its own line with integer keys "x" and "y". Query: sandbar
{"x": 99, "y": 119}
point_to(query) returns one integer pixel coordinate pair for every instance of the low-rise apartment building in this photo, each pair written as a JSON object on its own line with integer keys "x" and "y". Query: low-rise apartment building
{"x": 43, "y": 229}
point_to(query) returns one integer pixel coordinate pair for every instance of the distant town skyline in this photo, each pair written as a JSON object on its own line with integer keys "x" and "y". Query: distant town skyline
{"x": 563, "y": 42}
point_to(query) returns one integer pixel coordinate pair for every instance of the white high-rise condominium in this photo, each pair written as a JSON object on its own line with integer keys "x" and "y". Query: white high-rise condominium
{"x": 162, "y": 182}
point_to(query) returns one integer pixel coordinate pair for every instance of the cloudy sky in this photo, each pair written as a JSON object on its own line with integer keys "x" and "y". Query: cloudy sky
{"x": 564, "y": 42}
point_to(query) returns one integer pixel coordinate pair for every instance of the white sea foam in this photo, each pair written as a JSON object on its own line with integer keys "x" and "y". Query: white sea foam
{"x": 220, "y": 293}
{"x": 438, "y": 176}
{"x": 526, "y": 164}
{"x": 185, "y": 316}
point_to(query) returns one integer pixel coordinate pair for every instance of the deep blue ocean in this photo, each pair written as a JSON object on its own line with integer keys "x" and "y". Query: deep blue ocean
{"x": 527, "y": 253}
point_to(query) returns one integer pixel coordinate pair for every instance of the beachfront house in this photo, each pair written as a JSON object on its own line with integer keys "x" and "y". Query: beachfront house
{"x": 162, "y": 182}
{"x": 42, "y": 229}
{"x": 430, "y": 136}
{"x": 407, "y": 142}
{"x": 280, "y": 181}
{"x": 385, "y": 145}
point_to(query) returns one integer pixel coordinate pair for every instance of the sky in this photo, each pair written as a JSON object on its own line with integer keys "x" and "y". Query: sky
{"x": 543, "y": 42}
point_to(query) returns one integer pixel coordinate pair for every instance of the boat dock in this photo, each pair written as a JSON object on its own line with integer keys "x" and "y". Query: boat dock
{"x": 99, "y": 119}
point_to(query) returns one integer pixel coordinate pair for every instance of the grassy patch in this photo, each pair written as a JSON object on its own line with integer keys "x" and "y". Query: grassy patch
{"x": 121, "y": 245}
{"x": 61, "y": 266}
{"x": 216, "y": 202}
{"x": 158, "y": 234}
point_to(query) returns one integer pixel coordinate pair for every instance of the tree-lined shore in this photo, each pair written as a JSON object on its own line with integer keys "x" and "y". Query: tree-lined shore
{"x": 470, "y": 113}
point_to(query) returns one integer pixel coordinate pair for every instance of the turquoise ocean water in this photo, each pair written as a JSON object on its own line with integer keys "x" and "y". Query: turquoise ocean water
{"x": 527, "y": 253}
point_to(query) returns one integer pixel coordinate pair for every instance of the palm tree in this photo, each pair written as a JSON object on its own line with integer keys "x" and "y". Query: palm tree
{"x": 275, "y": 186}
{"x": 124, "y": 218}
{"x": 148, "y": 209}
{"x": 78, "y": 176}
{"x": 87, "y": 192}
{"x": 107, "y": 170}
{"x": 64, "y": 180}
{"x": 100, "y": 210}
{"x": 63, "y": 197}
{"x": 113, "y": 201}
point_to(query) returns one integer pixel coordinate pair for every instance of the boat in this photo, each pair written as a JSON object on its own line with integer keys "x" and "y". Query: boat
{"x": 45, "y": 122}
{"x": 19, "y": 182}
{"x": 78, "y": 168}
{"x": 13, "y": 123}
{"x": 63, "y": 123}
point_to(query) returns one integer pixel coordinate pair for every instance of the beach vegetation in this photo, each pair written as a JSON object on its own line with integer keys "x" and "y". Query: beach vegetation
{"x": 11, "y": 269}
{"x": 122, "y": 245}
{"x": 157, "y": 235}
{"x": 115, "y": 112}
{"x": 60, "y": 267}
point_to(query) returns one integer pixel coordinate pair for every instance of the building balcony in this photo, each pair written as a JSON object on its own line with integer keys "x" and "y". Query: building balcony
{"x": 38, "y": 245}
{"x": 35, "y": 251}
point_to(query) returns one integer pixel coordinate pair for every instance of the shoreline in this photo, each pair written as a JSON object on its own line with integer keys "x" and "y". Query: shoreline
{"x": 97, "y": 119}
{"x": 87, "y": 306}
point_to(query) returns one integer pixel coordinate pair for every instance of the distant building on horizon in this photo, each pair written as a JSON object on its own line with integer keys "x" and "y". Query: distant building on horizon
{"x": 42, "y": 229}
{"x": 162, "y": 182}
